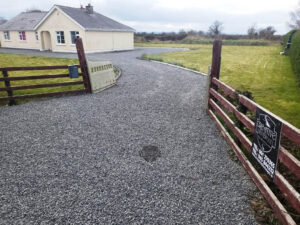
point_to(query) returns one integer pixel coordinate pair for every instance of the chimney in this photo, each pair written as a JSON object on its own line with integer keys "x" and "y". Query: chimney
{"x": 89, "y": 9}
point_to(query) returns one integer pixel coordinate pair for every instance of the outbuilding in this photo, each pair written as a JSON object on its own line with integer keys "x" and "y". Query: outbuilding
{"x": 57, "y": 29}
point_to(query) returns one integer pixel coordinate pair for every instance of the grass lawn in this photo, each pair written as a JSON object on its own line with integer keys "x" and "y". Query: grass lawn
{"x": 258, "y": 69}
{"x": 12, "y": 60}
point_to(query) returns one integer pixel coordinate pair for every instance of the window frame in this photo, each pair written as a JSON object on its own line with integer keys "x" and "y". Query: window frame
{"x": 36, "y": 36}
{"x": 6, "y": 35}
{"x": 76, "y": 34}
{"x": 60, "y": 38}
{"x": 22, "y": 35}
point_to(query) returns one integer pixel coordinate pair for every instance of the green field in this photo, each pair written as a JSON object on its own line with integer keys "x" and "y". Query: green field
{"x": 258, "y": 69}
{"x": 12, "y": 60}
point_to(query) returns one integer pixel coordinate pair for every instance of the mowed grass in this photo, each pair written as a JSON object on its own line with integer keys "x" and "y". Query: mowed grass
{"x": 13, "y": 60}
{"x": 258, "y": 69}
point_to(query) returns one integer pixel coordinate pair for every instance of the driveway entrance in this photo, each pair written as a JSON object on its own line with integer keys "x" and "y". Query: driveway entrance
{"x": 141, "y": 152}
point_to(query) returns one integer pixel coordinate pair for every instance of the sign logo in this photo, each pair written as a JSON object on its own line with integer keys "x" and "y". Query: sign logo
{"x": 266, "y": 133}
{"x": 266, "y": 141}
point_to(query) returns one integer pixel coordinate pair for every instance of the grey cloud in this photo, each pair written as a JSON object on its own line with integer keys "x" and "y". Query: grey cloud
{"x": 145, "y": 12}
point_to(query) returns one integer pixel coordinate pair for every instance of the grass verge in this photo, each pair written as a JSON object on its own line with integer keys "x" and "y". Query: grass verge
{"x": 204, "y": 41}
{"x": 13, "y": 60}
{"x": 258, "y": 69}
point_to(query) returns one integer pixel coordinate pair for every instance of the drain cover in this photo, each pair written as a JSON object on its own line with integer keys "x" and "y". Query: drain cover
{"x": 150, "y": 153}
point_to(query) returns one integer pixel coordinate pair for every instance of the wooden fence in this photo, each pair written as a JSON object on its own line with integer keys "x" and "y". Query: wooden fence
{"x": 220, "y": 105}
{"x": 11, "y": 98}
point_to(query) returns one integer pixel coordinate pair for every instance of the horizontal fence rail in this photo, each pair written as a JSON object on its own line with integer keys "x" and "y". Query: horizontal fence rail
{"x": 284, "y": 156}
{"x": 51, "y": 94}
{"x": 36, "y": 77}
{"x": 10, "y": 89}
{"x": 288, "y": 130}
{"x": 34, "y": 68}
{"x": 41, "y": 86}
{"x": 221, "y": 108}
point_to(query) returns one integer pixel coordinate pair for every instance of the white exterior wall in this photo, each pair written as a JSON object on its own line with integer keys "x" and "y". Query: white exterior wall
{"x": 123, "y": 40}
{"x": 97, "y": 41}
{"x": 15, "y": 42}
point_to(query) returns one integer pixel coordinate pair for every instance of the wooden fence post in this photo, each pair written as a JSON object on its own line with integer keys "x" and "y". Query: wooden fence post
{"x": 208, "y": 85}
{"x": 216, "y": 59}
{"x": 83, "y": 65}
{"x": 9, "y": 92}
{"x": 215, "y": 66}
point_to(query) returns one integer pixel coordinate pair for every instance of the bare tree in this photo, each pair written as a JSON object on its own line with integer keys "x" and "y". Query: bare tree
{"x": 267, "y": 33}
{"x": 192, "y": 32}
{"x": 215, "y": 29}
{"x": 252, "y": 32}
{"x": 295, "y": 18}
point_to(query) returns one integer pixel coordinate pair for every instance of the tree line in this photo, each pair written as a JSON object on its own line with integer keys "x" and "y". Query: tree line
{"x": 214, "y": 31}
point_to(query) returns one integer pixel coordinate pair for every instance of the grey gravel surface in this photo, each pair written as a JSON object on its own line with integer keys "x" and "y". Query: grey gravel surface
{"x": 75, "y": 159}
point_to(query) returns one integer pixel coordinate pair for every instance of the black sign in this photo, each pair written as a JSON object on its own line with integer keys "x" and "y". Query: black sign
{"x": 266, "y": 141}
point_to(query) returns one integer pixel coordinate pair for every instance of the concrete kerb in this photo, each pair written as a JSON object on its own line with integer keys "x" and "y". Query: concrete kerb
{"x": 183, "y": 49}
{"x": 179, "y": 67}
{"x": 120, "y": 72}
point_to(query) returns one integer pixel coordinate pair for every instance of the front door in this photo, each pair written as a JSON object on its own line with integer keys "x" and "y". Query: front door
{"x": 46, "y": 40}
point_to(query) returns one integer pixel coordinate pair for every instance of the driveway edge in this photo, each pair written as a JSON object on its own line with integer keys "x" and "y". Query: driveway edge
{"x": 180, "y": 67}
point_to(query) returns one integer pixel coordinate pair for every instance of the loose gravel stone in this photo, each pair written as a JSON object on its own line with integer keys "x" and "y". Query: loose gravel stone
{"x": 75, "y": 159}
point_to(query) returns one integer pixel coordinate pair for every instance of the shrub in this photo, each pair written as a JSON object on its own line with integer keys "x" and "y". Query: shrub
{"x": 294, "y": 54}
{"x": 285, "y": 38}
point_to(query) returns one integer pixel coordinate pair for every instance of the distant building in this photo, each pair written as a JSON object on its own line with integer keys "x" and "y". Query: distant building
{"x": 56, "y": 31}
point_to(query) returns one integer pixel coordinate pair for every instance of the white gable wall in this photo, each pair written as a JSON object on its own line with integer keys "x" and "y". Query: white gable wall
{"x": 58, "y": 21}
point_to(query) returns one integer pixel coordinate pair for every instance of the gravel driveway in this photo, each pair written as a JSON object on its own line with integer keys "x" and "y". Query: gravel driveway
{"x": 76, "y": 159}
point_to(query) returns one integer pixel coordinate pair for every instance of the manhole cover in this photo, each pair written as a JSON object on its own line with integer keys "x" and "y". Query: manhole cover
{"x": 150, "y": 153}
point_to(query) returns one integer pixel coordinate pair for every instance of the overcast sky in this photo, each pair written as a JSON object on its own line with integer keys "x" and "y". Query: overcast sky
{"x": 173, "y": 15}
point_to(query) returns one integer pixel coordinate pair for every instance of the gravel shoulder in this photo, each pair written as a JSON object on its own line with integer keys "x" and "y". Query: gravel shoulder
{"x": 75, "y": 159}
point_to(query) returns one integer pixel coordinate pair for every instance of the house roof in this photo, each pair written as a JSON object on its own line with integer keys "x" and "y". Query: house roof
{"x": 94, "y": 21}
{"x": 23, "y": 21}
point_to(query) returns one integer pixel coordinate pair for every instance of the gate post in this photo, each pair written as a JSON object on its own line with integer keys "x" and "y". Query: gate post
{"x": 216, "y": 60}
{"x": 83, "y": 65}
{"x": 215, "y": 67}
{"x": 9, "y": 92}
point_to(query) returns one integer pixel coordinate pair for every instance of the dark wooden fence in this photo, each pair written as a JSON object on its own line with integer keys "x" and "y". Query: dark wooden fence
{"x": 220, "y": 105}
{"x": 11, "y": 98}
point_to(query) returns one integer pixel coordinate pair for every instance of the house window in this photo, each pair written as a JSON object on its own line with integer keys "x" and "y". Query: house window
{"x": 60, "y": 37}
{"x": 6, "y": 35}
{"x": 36, "y": 36}
{"x": 74, "y": 34}
{"x": 22, "y": 35}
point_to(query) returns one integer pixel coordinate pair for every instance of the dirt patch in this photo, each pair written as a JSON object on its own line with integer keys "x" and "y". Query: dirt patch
{"x": 150, "y": 153}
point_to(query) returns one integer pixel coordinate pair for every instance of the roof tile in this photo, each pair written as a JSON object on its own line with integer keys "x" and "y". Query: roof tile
{"x": 23, "y": 21}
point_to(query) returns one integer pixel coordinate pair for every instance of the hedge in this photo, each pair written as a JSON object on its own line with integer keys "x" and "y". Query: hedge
{"x": 285, "y": 38}
{"x": 294, "y": 52}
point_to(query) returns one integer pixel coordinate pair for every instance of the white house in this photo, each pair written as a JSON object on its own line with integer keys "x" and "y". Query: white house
{"x": 56, "y": 31}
